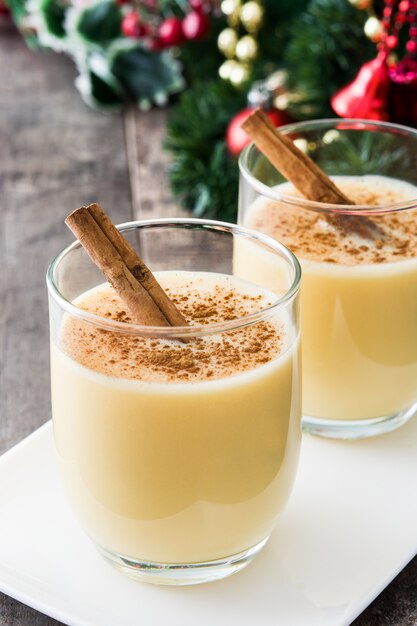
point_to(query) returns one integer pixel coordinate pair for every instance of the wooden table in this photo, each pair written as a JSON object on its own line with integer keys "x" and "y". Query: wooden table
{"x": 55, "y": 154}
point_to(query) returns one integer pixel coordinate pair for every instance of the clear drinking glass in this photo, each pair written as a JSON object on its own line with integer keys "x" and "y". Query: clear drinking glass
{"x": 178, "y": 447}
{"x": 359, "y": 297}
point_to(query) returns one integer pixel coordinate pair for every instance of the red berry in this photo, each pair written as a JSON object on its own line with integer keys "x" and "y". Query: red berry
{"x": 411, "y": 46}
{"x": 391, "y": 42}
{"x": 170, "y": 32}
{"x": 132, "y": 26}
{"x": 197, "y": 5}
{"x": 195, "y": 25}
{"x": 156, "y": 44}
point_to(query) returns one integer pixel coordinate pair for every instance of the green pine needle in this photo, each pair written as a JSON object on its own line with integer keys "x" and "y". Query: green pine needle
{"x": 203, "y": 174}
{"x": 327, "y": 48}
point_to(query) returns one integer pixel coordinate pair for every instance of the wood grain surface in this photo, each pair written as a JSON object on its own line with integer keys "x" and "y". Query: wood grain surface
{"x": 55, "y": 155}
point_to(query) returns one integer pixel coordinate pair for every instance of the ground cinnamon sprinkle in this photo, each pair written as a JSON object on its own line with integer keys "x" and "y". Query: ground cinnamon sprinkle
{"x": 311, "y": 237}
{"x": 154, "y": 360}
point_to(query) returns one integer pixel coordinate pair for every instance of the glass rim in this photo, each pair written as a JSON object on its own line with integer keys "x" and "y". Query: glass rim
{"x": 323, "y": 207}
{"x": 175, "y": 332}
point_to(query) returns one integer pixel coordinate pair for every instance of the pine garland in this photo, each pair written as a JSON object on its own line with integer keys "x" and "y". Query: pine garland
{"x": 327, "y": 47}
{"x": 203, "y": 175}
{"x": 320, "y": 43}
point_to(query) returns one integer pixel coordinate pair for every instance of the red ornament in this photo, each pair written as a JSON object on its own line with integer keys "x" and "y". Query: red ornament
{"x": 132, "y": 26}
{"x": 195, "y": 26}
{"x": 170, "y": 32}
{"x": 381, "y": 92}
{"x": 237, "y": 139}
{"x": 403, "y": 92}
{"x": 366, "y": 96}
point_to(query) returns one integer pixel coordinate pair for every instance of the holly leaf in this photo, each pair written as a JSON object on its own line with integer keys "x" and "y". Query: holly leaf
{"x": 18, "y": 9}
{"x": 19, "y": 12}
{"x": 100, "y": 23}
{"x": 98, "y": 92}
{"x": 53, "y": 13}
{"x": 149, "y": 77}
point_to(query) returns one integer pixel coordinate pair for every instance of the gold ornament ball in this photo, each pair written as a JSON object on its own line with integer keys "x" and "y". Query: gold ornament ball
{"x": 229, "y": 7}
{"x": 227, "y": 41}
{"x": 239, "y": 74}
{"x": 246, "y": 48}
{"x": 373, "y": 29}
{"x": 226, "y": 69}
{"x": 251, "y": 15}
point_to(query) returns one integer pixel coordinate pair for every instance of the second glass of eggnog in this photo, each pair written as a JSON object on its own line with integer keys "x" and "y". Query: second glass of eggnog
{"x": 178, "y": 447}
{"x": 359, "y": 296}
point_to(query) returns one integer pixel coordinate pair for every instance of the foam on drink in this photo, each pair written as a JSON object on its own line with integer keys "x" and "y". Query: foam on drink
{"x": 310, "y": 236}
{"x": 203, "y": 300}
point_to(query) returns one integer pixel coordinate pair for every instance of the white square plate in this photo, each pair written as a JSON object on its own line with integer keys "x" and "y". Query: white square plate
{"x": 350, "y": 527}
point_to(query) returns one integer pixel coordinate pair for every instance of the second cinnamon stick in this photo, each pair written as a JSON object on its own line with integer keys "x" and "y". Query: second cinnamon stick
{"x": 305, "y": 175}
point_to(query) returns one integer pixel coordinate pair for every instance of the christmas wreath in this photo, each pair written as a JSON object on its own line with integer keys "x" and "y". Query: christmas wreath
{"x": 298, "y": 60}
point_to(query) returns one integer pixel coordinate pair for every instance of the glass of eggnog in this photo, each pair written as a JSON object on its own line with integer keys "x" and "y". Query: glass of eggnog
{"x": 178, "y": 446}
{"x": 359, "y": 295}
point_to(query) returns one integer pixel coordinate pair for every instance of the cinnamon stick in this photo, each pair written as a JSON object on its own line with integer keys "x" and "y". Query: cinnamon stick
{"x": 123, "y": 268}
{"x": 305, "y": 175}
{"x": 137, "y": 267}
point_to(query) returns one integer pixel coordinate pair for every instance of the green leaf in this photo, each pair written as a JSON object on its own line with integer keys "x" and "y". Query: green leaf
{"x": 147, "y": 76}
{"x": 18, "y": 9}
{"x": 98, "y": 92}
{"x": 104, "y": 93}
{"x": 53, "y": 12}
{"x": 101, "y": 23}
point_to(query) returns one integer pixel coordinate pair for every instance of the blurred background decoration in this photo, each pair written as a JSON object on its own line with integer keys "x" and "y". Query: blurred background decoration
{"x": 214, "y": 61}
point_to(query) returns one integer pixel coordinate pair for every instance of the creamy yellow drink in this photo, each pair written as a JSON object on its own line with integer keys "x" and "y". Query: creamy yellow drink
{"x": 358, "y": 301}
{"x": 176, "y": 452}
